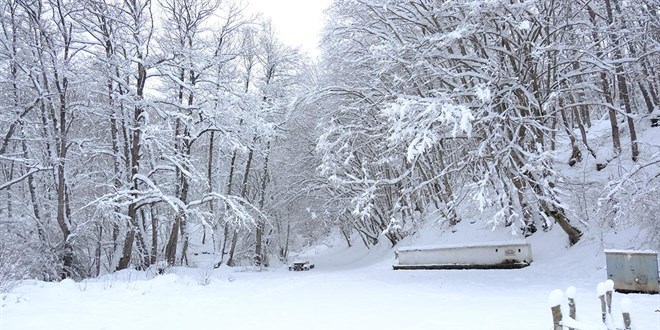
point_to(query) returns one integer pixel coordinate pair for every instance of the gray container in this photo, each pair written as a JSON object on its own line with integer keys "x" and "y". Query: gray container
{"x": 633, "y": 271}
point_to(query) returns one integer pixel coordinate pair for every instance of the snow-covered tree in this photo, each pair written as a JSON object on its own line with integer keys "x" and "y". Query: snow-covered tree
{"x": 436, "y": 104}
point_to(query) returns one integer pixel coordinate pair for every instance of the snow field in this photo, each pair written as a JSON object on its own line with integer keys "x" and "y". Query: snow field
{"x": 338, "y": 294}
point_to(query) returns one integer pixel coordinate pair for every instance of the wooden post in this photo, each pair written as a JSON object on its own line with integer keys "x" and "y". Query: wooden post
{"x": 602, "y": 289}
{"x": 555, "y": 300}
{"x": 571, "y": 309}
{"x": 626, "y": 321}
{"x": 556, "y": 317}
{"x": 609, "y": 286}
{"x": 626, "y": 306}
{"x": 603, "y": 307}
{"x": 570, "y": 293}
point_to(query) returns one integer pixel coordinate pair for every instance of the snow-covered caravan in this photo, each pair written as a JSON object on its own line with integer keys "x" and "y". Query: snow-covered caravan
{"x": 502, "y": 255}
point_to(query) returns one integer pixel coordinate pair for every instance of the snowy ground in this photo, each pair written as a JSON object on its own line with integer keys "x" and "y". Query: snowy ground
{"x": 348, "y": 289}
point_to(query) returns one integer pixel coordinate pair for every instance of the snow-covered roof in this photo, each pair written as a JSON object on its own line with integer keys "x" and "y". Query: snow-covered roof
{"x": 469, "y": 245}
{"x": 615, "y": 251}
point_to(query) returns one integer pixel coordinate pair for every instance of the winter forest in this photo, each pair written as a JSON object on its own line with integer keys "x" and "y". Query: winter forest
{"x": 133, "y": 130}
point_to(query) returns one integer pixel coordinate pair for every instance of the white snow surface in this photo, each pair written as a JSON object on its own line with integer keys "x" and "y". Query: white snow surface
{"x": 524, "y": 25}
{"x": 467, "y": 245}
{"x": 556, "y": 298}
{"x": 626, "y": 305}
{"x": 571, "y": 292}
{"x": 615, "y": 251}
{"x": 601, "y": 289}
{"x": 609, "y": 285}
{"x": 349, "y": 288}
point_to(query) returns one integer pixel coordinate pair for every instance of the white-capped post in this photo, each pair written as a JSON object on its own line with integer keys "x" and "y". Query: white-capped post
{"x": 609, "y": 287}
{"x": 555, "y": 300}
{"x": 570, "y": 293}
{"x": 626, "y": 305}
{"x": 601, "y": 289}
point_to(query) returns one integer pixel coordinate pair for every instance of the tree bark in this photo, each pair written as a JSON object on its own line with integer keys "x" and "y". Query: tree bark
{"x": 623, "y": 85}
{"x": 135, "y": 159}
{"x": 244, "y": 191}
{"x": 259, "y": 254}
{"x": 616, "y": 140}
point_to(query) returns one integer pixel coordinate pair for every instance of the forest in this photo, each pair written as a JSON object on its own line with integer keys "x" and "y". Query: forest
{"x": 132, "y": 130}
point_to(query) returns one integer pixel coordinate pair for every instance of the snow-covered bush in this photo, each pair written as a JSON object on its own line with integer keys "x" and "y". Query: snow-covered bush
{"x": 631, "y": 202}
{"x": 205, "y": 277}
{"x": 11, "y": 267}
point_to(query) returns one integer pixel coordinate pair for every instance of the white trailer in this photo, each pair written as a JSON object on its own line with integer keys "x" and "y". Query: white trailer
{"x": 501, "y": 255}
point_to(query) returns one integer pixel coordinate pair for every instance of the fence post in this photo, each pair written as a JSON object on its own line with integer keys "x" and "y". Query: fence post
{"x": 625, "y": 310}
{"x": 570, "y": 293}
{"x": 555, "y": 300}
{"x": 609, "y": 287}
{"x": 601, "y": 289}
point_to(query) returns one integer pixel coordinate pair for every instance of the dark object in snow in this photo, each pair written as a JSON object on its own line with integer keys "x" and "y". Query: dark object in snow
{"x": 556, "y": 317}
{"x": 603, "y": 308}
{"x": 504, "y": 255}
{"x": 633, "y": 271}
{"x": 572, "y": 310}
{"x": 506, "y": 265}
{"x": 301, "y": 265}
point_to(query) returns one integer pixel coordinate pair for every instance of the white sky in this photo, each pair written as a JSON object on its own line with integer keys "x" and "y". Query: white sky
{"x": 296, "y": 22}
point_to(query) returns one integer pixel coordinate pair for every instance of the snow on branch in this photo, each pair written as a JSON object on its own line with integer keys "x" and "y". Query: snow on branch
{"x": 419, "y": 122}
{"x": 237, "y": 208}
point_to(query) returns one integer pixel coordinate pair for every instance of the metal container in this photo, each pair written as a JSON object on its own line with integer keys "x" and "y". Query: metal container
{"x": 633, "y": 271}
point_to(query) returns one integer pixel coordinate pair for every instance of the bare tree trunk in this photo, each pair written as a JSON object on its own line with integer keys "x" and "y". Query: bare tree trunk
{"x": 142, "y": 241}
{"x": 154, "y": 238}
{"x": 61, "y": 84}
{"x": 35, "y": 205}
{"x": 622, "y": 83}
{"x": 244, "y": 191}
{"x": 170, "y": 248}
{"x": 576, "y": 154}
{"x": 586, "y": 116}
{"x": 553, "y": 134}
{"x": 258, "y": 253}
{"x": 135, "y": 154}
{"x": 209, "y": 178}
{"x": 616, "y": 140}
{"x": 285, "y": 255}
{"x": 99, "y": 247}
{"x": 127, "y": 249}
{"x": 448, "y": 193}
{"x": 225, "y": 234}
{"x": 583, "y": 130}
{"x": 559, "y": 215}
